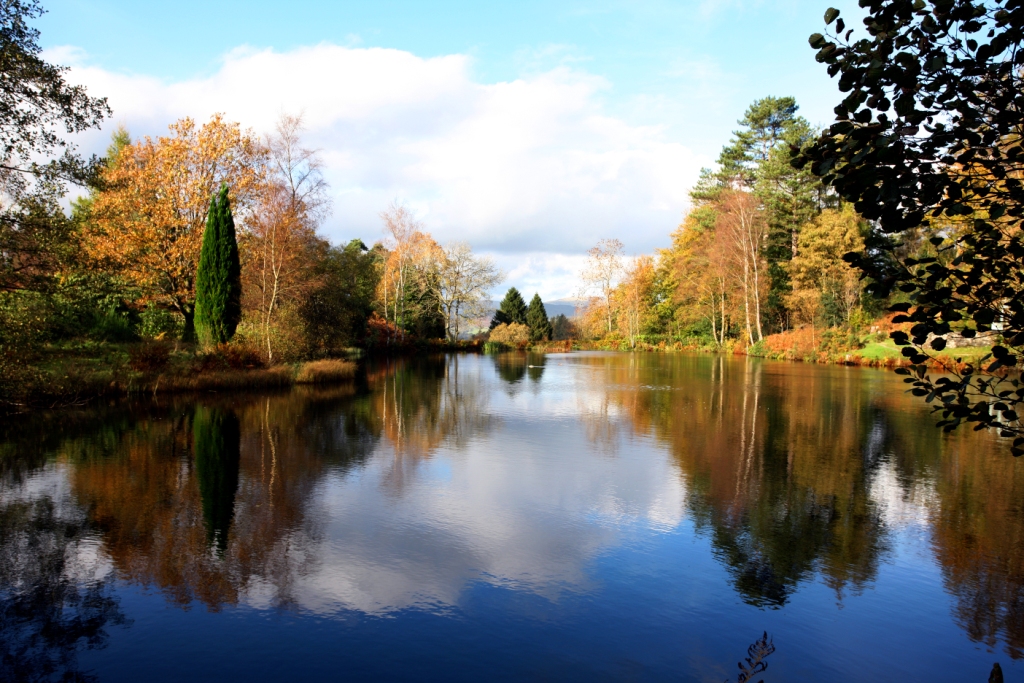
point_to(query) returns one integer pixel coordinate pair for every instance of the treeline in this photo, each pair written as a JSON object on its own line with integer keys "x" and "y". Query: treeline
{"x": 760, "y": 252}
{"x": 123, "y": 266}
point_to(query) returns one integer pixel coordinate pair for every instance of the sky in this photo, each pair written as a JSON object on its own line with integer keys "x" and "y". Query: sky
{"x": 528, "y": 129}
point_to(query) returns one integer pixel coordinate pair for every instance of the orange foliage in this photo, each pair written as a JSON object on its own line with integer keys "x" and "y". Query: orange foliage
{"x": 148, "y": 221}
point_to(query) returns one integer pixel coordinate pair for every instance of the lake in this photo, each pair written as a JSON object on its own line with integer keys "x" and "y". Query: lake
{"x": 588, "y": 516}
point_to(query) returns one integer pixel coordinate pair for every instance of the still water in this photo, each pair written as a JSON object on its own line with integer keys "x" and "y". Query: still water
{"x": 467, "y": 518}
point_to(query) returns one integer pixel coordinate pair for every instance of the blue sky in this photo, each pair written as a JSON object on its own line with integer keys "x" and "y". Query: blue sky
{"x": 610, "y": 107}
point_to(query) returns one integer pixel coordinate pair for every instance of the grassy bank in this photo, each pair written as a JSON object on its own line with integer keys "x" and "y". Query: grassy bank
{"x": 71, "y": 374}
{"x": 835, "y": 347}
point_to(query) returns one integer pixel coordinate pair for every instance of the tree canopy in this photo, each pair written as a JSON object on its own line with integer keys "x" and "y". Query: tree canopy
{"x": 537, "y": 320}
{"x": 512, "y": 309}
{"x": 928, "y": 138}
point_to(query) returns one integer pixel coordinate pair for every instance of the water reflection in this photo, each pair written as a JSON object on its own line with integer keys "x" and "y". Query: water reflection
{"x": 216, "y": 442}
{"x": 434, "y": 475}
{"x": 54, "y": 601}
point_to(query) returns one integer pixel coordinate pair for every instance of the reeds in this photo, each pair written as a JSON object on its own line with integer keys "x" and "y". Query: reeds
{"x": 324, "y": 371}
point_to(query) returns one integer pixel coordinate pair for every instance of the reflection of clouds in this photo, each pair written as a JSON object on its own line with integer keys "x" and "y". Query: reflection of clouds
{"x": 513, "y": 513}
{"x": 527, "y": 503}
{"x": 897, "y": 506}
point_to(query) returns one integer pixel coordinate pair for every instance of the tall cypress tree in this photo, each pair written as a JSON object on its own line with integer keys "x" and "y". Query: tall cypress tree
{"x": 511, "y": 310}
{"x": 537, "y": 319}
{"x": 219, "y": 278}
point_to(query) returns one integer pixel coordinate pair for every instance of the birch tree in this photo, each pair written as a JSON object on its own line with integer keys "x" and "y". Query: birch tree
{"x": 604, "y": 265}
{"x": 463, "y": 281}
{"x": 743, "y": 233}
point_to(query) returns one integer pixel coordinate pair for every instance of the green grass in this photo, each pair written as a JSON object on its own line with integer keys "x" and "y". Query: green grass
{"x": 877, "y": 351}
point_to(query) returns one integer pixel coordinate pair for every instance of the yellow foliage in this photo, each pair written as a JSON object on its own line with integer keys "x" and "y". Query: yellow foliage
{"x": 148, "y": 221}
{"x": 512, "y": 334}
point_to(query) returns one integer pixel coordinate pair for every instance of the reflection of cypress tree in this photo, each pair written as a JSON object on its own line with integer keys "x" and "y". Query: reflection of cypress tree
{"x": 216, "y": 436}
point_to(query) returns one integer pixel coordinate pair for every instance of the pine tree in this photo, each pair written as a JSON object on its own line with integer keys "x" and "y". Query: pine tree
{"x": 511, "y": 310}
{"x": 219, "y": 277}
{"x": 537, "y": 320}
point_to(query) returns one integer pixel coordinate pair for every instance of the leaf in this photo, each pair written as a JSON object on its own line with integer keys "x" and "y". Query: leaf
{"x": 831, "y": 14}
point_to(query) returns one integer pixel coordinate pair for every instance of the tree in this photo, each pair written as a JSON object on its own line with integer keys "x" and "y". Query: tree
{"x": 34, "y": 101}
{"x": 147, "y": 222}
{"x": 219, "y": 276}
{"x": 819, "y": 271}
{"x": 562, "y": 328}
{"x": 36, "y": 106}
{"x": 766, "y": 123}
{"x": 931, "y": 128}
{"x": 409, "y": 282}
{"x": 741, "y": 233}
{"x": 512, "y": 309}
{"x": 282, "y": 239}
{"x": 634, "y": 296}
{"x": 537, "y": 320}
{"x": 700, "y": 271}
{"x": 604, "y": 263}
{"x": 463, "y": 281}
{"x": 299, "y": 168}
{"x": 335, "y": 311}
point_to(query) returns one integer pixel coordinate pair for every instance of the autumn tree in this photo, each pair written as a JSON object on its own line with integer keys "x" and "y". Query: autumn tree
{"x": 148, "y": 220}
{"x": 634, "y": 298}
{"x": 604, "y": 264}
{"x": 408, "y": 287}
{"x": 701, "y": 273}
{"x": 282, "y": 242}
{"x": 742, "y": 233}
{"x": 463, "y": 281}
{"x": 819, "y": 271}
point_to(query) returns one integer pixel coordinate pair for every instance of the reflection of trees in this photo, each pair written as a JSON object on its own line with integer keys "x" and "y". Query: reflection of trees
{"x": 420, "y": 404}
{"x": 774, "y": 465}
{"x": 511, "y": 366}
{"x": 978, "y": 531}
{"x": 215, "y": 440}
{"x": 242, "y": 478}
{"x": 49, "y": 606}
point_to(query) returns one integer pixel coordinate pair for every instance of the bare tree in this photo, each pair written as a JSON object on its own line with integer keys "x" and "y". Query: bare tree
{"x": 604, "y": 264}
{"x": 299, "y": 169}
{"x": 463, "y": 280}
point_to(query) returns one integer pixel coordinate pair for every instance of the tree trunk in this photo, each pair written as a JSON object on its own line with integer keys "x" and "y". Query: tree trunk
{"x": 188, "y": 334}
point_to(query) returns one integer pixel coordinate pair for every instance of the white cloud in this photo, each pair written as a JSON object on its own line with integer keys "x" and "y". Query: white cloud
{"x": 532, "y": 166}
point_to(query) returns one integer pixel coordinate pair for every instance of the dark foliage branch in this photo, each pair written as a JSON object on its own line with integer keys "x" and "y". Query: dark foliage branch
{"x": 930, "y": 131}
{"x": 37, "y": 105}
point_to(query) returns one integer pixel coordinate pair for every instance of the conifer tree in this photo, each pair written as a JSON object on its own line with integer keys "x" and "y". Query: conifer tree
{"x": 218, "y": 279}
{"x": 511, "y": 310}
{"x": 537, "y": 320}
